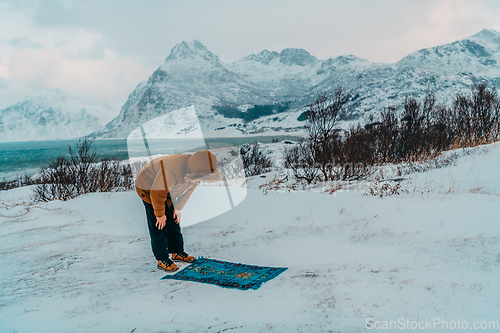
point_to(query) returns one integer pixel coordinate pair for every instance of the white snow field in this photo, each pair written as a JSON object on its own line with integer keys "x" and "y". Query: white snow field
{"x": 431, "y": 253}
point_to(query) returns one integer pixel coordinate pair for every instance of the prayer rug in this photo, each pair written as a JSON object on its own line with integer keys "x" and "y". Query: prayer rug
{"x": 226, "y": 274}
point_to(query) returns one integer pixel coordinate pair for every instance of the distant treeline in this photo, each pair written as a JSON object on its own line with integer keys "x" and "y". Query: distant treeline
{"x": 253, "y": 113}
{"x": 421, "y": 130}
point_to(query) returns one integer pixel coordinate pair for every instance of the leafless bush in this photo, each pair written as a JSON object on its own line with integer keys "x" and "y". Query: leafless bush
{"x": 357, "y": 154}
{"x": 7, "y": 185}
{"x": 231, "y": 168}
{"x": 300, "y": 159}
{"x": 65, "y": 179}
{"x": 21, "y": 181}
{"x": 384, "y": 189}
{"x": 476, "y": 118}
{"x": 441, "y": 161}
{"x": 255, "y": 161}
{"x": 322, "y": 118}
{"x": 386, "y": 135}
{"x": 424, "y": 130}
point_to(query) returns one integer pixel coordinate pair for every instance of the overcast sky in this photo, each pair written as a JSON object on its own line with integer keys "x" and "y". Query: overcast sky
{"x": 97, "y": 51}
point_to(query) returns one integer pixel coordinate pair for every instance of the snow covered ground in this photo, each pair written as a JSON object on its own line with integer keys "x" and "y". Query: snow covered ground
{"x": 432, "y": 252}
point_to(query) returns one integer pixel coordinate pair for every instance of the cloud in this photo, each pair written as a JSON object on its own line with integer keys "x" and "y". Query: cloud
{"x": 106, "y": 79}
{"x": 23, "y": 42}
{"x": 447, "y": 21}
{"x": 95, "y": 51}
{"x": 56, "y": 13}
{"x": 383, "y": 30}
{"x": 4, "y": 71}
{"x": 4, "y": 84}
{"x": 69, "y": 57}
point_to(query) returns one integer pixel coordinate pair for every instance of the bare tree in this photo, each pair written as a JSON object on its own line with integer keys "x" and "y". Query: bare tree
{"x": 484, "y": 108}
{"x": 323, "y": 117}
{"x": 387, "y": 135}
{"x": 476, "y": 117}
{"x": 300, "y": 159}
{"x": 254, "y": 159}
{"x": 424, "y": 129}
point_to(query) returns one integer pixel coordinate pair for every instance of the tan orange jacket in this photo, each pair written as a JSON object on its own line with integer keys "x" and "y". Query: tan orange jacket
{"x": 162, "y": 179}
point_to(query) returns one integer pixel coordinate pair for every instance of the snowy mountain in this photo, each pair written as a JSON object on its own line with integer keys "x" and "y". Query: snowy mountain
{"x": 50, "y": 115}
{"x": 253, "y": 94}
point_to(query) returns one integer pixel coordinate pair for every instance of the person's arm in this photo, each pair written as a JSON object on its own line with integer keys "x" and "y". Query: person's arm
{"x": 177, "y": 215}
{"x": 159, "y": 190}
{"x": 180, "y": 202}
{"x": 161, "y": 221}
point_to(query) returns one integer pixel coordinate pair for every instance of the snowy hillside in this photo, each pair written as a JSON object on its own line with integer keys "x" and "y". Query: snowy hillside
{"x": 224, "y": 94}
{"x": 430, "y": 253}
{"x": 50, "y": 115}
{"x": 179, "y": 124}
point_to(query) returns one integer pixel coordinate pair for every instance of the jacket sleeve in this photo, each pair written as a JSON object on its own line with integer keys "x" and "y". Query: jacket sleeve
{"x": 181, "y": 200}
{"x": 164, "y": 181}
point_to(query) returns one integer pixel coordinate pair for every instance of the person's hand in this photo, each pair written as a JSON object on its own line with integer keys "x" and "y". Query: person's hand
{"x": 177, "y": 215}
{"x": 160, "y": 221}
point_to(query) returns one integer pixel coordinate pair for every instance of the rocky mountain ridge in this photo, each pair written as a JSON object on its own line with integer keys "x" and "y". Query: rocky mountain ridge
{"x": 51, "y": 114}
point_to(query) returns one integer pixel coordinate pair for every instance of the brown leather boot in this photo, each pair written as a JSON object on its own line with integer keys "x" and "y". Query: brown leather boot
{"x": 183, "y": 256}
{"x": 167, "y": 265}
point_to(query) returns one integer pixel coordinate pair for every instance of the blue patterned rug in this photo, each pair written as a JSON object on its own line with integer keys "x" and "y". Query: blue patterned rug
{"x": 226, "y": 274}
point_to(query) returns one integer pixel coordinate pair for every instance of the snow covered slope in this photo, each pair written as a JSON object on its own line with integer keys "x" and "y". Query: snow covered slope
{"x": 430, "y": 253}
{"x": 178, "y": 124}
{"x": 50, "y": 115}
{"x": 192, "y": 75}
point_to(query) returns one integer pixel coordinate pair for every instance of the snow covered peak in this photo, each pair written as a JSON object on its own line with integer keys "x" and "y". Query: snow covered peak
{"x": 488, "y": 41}
{"x": 298, "y": 57}
{"x": 49, "y": 93}
{"x": 51, "y": 114}
{"x": 345, "y": 60}
{"x": 481, "y": 49}
{"x": 487, "y": 35}
{"x": 265, "y": 57}
{"x": 289, "y": 57}
{"x": 50, "y": 97}
{"x": 192, "y": 51}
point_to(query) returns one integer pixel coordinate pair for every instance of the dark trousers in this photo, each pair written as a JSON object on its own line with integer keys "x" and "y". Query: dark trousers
{"x": 169, "y": 239}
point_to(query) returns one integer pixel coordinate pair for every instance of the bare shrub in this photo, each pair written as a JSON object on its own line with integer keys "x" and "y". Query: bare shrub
{"x": 65, "y": 179}
{"x": 322, "y": 118}
{"x": 476, "y": 117}
{"x": 424, "y": 130}
{"x": 300, "y": 159}
{"x": 232, "y": 167}
{"x": 255, "y": 161}
{"x": 412, "y": 137}
{"x": 384, "y": 189}
{"x": 21, "y": 181}
{"x": 386, "y": 135}
{"x": 358, "y": 153}
{"x": 84, "y": 152}
{"x": 442, "y": 128}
